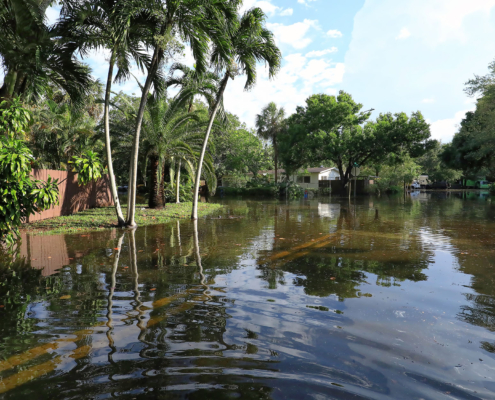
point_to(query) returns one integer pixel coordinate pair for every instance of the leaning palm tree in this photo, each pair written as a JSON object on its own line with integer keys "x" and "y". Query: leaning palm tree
{"x": 194, "y": 85}
{"x": 251, "y": 43}
{"x": 269, "y": 125}
{"x": 196, "y": 22}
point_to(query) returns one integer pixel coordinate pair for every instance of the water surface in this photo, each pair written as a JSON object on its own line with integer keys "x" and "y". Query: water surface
{"x": 374, "y": 299}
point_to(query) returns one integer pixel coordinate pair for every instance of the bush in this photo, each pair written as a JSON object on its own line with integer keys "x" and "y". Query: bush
{"x": 394, "y": 189}
{"x": 185, "y": 193}
{"x": 20, "y": 195}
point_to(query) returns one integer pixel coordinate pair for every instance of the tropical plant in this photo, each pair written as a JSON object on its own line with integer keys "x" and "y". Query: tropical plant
{"x": 172, "y": 136}
{"x": 196, "y": 22}
{"x": 59, "y": 132}
{"x": 88, "y": 167}
{"x": 251, "y": 43}
{"x": 20, "y": 195}
{"x": 270, "y": 124}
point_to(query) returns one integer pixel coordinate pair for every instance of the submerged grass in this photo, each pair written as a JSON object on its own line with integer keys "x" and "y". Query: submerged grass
{"x": 97, "y": 219}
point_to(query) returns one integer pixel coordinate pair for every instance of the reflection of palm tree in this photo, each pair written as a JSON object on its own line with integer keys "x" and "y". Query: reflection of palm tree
{"x": 110, "y": 301}
{"x": 137, "y": 295}
{"x": 196, "y": 252}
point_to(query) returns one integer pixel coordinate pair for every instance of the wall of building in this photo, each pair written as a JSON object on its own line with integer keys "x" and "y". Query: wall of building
{"x": 72, "y": 197}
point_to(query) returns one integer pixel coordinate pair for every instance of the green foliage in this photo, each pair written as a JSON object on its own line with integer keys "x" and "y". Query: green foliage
{"x": 237, "y": 151}
{"x": 331, "y": 128}
{"x": 433, "y": 165}
{"x": 20, "y": 196}
{"x": 473, "y": 147}
{"x": 88, "y": 167}
{"x": 14, "y": 118}
{"x": 292, "y": 189}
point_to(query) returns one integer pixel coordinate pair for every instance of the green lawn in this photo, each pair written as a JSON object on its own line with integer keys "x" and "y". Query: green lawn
{"x": 103, "y": 218}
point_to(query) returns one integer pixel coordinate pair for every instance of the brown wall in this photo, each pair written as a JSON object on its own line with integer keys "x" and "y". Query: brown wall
{"x": 73, "y": 198}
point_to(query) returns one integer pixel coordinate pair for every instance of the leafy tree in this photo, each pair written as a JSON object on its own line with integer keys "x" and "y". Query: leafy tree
{"x": 238, "y": 150}
{"x": 270, "y": 124}
{"x": 431, "y": 164}
{"x": 334, "y": 128}
{"x": 251, "y": 43}
{"x": 20, "y": 196}
{"x": 473, "y": 146}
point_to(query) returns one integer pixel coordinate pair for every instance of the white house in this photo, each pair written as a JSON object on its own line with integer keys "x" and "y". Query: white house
{"x": 306, "y": 178}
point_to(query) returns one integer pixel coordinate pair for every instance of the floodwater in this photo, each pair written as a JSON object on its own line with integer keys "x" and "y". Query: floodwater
{"x": 379, "y": 298}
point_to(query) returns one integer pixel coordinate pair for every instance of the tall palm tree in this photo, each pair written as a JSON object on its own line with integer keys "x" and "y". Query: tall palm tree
{"x": 198, "y": 23}
{"x": 97, "y": 25}
{"x": 251, "y": 43}
{"x": 269, "y": 125}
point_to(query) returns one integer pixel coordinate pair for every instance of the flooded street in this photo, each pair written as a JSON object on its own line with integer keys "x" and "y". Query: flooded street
{"x": 379, "y": 298}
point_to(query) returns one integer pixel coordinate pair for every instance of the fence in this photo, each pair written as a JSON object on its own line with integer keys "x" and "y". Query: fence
{"x": 73, "y": 198}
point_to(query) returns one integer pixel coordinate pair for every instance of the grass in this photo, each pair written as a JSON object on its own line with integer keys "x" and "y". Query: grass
{"x": 97, "y": 219}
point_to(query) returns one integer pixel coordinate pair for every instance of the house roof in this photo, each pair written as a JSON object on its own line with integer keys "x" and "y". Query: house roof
{"x": 282, "y": 171}
{"x": 269, "y": 172}
{"x": 319, "y": 169}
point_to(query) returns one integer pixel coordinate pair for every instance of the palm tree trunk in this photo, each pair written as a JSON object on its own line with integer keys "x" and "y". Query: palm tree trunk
{"x": 177, "y": 184}
{"x": 131, "y": 210}
{"x": 108, "y": 146}
{"x": 213, "y": 114}
{"x": 155, "y": 187}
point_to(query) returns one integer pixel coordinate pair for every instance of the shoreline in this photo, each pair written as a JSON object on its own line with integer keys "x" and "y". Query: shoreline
{"x": 99, "y": 219}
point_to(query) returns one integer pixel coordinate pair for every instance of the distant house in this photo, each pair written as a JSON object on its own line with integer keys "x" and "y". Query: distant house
{"x": 307, "y": 178}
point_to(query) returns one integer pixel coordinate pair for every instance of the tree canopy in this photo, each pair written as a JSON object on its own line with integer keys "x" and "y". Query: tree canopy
{"x": 335, "y": 128}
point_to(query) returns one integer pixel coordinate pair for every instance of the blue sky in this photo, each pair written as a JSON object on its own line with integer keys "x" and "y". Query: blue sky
{"x": 391, "y": 55}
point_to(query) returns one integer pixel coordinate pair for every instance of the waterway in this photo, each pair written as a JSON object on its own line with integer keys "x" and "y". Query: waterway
{"x": 372, "y": 298}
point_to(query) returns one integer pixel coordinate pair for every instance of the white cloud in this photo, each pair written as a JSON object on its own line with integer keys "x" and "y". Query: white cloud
{"x": 321, "y": 53}
{"x": 293, "y": 35}
{"x": 287, "y": 12}
{"x": 299, "y": 78}
{"x": 434, "y": 63}
{"x": 444, "y": 129}
{"x": 334, "y": 33}
{"x": 304, "y": 2}
{"x": 428, "y": 101}
{"x": 403, "y": 34}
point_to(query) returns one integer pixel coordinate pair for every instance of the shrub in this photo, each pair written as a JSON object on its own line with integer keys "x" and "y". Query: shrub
{"x": 20, "y": 195}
